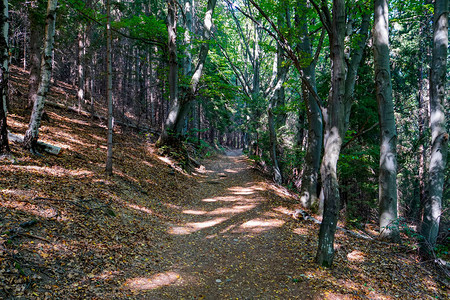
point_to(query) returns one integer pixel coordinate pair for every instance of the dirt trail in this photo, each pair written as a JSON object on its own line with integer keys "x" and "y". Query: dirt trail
{"x": 232, "y": 241}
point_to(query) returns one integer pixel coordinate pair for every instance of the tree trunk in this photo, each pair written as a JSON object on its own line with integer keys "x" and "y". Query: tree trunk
{"x": 310, "y": 172}
{"x": 177, "y": 108}
{"x": 334, "y": 132}
{"x": 32, "y": 134}
{"x": 109, "y": 97}
{"x": 187, "y": 60}
{"x": 277, "y": 177}
{"x": 5, "y": 57}
{"x": 415, "y": 203}
{"x": 353, "y": 65}
{"x": 4, "y": 145}
{"x": 81, "y": 67}
{"x": 35, "y": 59}
{"x": 388, "y": 152}
{"x": 275, "y": 96}
{"x": 171, "y": 120}
{"x": 439, "y": 136}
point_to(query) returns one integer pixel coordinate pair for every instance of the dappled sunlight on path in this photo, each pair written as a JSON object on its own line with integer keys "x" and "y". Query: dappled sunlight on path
{"x": 235, "y": 238}
{"x": 229, "y": 238}
{"x": 238, "y": 205}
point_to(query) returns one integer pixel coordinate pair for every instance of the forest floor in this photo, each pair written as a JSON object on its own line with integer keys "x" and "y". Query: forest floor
{"x": 152, "y": 231}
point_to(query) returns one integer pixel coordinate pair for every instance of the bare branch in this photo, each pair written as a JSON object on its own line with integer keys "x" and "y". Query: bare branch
{"x": 237, "y": 71}
{"x": 326, "y": 23}
{"x": 319, "y": 46}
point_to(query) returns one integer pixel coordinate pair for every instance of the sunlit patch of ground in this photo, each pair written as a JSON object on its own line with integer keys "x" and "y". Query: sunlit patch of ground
{"x": 196, "y": 226}
{"x": 153, "y": 282}
{"x": 223, "y": 199}
{"x": 356, "y": 256}
{"x": 39, "y": 210}
{"x": 242, "y": 191}
{"x": 259, "y": 225}
{"x": 56, "y": 171}
{"x": 141, "y": 208}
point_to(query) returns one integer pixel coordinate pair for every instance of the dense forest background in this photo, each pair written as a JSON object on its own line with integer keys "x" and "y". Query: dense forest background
{"x": 309, "y": 90}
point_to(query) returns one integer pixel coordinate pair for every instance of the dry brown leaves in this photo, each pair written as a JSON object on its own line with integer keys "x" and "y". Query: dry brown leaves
{"x": 153, "y": 232}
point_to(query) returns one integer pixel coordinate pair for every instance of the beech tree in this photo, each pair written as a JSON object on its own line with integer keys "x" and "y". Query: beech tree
{"x": 32, "y": 133}
{"x": 179, "y": 105}
{"x": 310, "y": 173}
{"x": 388, "y": 152}
{"x": 333, "y": 136}
{"x": 439, "y": 136}
{"x": 36, "y": 13}
{"x": 170, "y": 123}
{"x": 109, "y": 152}
{"x": 4, "y": 145}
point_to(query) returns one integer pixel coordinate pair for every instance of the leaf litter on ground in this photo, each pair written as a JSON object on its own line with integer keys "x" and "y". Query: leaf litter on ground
{"x": 152, "y": 231}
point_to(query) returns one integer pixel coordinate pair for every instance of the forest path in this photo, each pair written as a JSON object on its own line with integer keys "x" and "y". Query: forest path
{"x": 234, "y": 241}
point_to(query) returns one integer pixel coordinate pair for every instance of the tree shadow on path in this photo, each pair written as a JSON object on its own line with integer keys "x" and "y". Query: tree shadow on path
{"x": 233, "y": 240}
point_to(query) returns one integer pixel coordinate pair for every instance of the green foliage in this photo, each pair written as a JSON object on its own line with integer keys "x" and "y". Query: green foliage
{"x": 359, "y": 182}
{"x": 144, "y": 27}
{"x": 443, "y": 250}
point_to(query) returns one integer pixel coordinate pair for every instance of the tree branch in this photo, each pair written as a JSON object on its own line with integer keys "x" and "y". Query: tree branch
{"x": 98, "y": 22}
{"x": 236, "y": 71}
{"x": 326, "y": 22}
{"x": 359, "y": 133}
{"x": 319, "y": 46}
{"x": 282, "y": 41}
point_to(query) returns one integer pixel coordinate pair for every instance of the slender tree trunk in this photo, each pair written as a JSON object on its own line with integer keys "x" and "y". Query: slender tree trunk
{"x": 388, "y": 130}
{"x": 278, "y": 79}
{"x": 109, "y": 96}
{"x": 25, "y": 50}
{"x": 273, "y": 144}
{"x": 415, "y": 203}
{"x": 5, "y": 57}
{"x": 81, "y": 66}
{"x": 36, "y": 38}
{"x": 353, "y": 65}
{"x": 32, "y": 134}
{"x": 439, "y": 136}
{"x": 4, "y": 145}
{"x": 334, "y": 133}
{"x": 188, "y": 13}
{"x": 310, "y": 172}
{"x": 423, "y": 118}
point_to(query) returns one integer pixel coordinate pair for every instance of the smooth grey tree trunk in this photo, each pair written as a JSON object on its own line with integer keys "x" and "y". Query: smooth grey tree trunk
{"x": 109, "y": 97}
{"x": 334, "y": 133}
{"x": 168, "y": 130}
{"x": 36, "y": 37}
{"x": 81, "y": 66}
{"x": 178, "y": 107}
{"x": 4, "y": 144}
{"x": 425, "y": 34}
{"x": 278, "y": 79}
{"x": 5, "y": 56}
{"x": 310, "y": 172}
{"x": 439, "y": 136}
{"x": 388, "y": 131}
{"x": 189, "y": 9}
{"x": 350, "y": 81}
{"x": 353, "y": 65}
{"x": 188, "y": 14}
{"x": 32, "y": 133}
